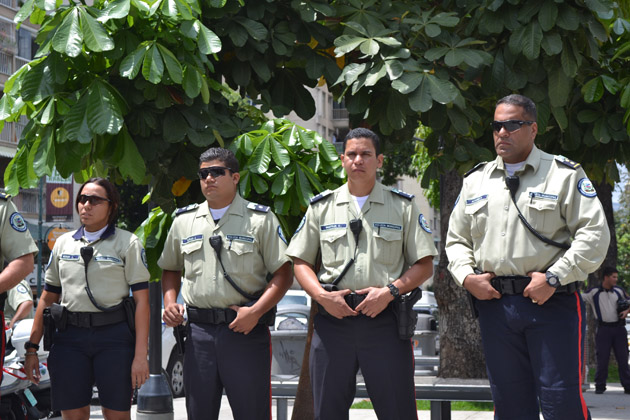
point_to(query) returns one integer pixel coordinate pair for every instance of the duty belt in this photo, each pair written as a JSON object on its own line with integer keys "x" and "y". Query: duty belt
{"x": 515, "y": 285}
{"x": 352, "y": 300}
{"x": 619, "y": 323}
{"x": 95, "y": 319}
{"x": 223, "y": 315}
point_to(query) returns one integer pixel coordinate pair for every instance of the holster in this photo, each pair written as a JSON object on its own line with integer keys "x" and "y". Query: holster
{"x": 129, "y": 305}
{"x": 406, "y": 317}
{"x": 329, "y": 287}
{"x": 180, "y": 338}
{"x": 55, "y": 318}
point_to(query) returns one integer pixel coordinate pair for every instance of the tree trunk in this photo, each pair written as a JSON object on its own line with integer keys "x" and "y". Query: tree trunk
{"x": 303, "y": 408}
{"x": 461, "y": 354}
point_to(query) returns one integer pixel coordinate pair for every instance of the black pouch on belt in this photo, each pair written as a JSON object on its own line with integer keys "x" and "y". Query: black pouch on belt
{"x": 129, "y": 306}
{"x": 406, "y": 317}
{"x": 49, "y": 329}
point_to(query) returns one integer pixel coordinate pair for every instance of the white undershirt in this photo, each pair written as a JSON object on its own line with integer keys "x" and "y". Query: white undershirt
{"x": 92, "y": 236}
{"x": 360, "y": 201}
{"x": 513, "y": 167}
{"x": 218, "y": 213}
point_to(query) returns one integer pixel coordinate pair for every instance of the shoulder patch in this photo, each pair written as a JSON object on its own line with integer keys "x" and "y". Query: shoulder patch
{"x": 17, "y": 222}
{"x": 186, "y": 209}
{"x": 281, "y": 235}
{"x": 403, "y": 194}
{"x": 258, "y": 207}
{"x": 4, "y": 196}
{"x": 567, "y": 162}
{"x": 300, "y": 226}
{"x": 320, "y": 196}
{"x": 586, "y": 188}
{"x": 477, "y": 166}
{"x": 422, "y": 221}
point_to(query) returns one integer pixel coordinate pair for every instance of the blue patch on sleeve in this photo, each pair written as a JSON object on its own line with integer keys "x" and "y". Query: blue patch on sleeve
{"x": 301, "y": 225}
{"x": 281, "y": 235}
{"x": 143, "y": 256}
{"x": 17, "y": 222}
{"x": 422, "y": 221}
{"x": 586, "y": 188}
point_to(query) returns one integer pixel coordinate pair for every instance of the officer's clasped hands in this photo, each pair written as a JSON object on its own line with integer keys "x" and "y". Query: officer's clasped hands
{"x": 538, "y": 290}
{"x": 335, "y": 304}
{"x": 479, "y": 286}
{"x": 376, "y": 301}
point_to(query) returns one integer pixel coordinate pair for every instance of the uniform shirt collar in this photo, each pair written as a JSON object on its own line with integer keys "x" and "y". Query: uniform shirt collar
{"x": 111, "y": 229}
{"x": 376, "y": 195}
{"x": 236, "y": 208}
{"x": 533, "y": 160}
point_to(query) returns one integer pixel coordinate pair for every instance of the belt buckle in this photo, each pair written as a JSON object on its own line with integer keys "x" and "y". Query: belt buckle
{"x": 219, "y": 316}
{"x": 85, "y": 320}
{"x": 511, "y": 289}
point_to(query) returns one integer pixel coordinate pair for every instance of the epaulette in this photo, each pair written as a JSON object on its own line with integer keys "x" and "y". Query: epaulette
{"x": 477, "y": 166}
{"x": 567, "y": 162}
{"x": 186, "y": 209}
{"x": 4, "y": 196}
{"x": 319, "y": 196}
{"x": 258, "y": 207}
{"x": 403, "y": 194}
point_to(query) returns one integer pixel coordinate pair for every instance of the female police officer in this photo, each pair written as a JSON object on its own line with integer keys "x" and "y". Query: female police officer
{"x": 89, "y": 274}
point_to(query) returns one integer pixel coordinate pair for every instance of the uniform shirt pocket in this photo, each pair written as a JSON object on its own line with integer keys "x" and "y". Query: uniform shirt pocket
{"x": 477, "y": 209}
{"x": 241, "y": 257}
{"x": 193, "y": 258}
{"x": 387, "y": 245}
{"x": 333, "y": 247}
{"x": 543, "y": 214}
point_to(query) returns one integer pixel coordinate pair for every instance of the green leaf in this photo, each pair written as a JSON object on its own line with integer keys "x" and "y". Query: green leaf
{"x": 588, "y": 116}
{"x": 255, "y": 29}
{"x": 259, "y": 184}
{"x": 6, "y": 105}
{"x": 24, "y": 12}
{"x": 458, "y": 120}
{"x": 568, "y": 18}
{"x": 593, "y": 90}
{"x": 131, "y": 164}
{"x": 442, "y": 91}
{"x": 420, "y": 100}
{"x": 11, "y": 183}
{"x": 624, "y": 100}
{"x": 174, "y": 126}
{"x": 117, "y": 9}
{"x": 302, "y": 187}
{"x": 306, "y": 138}
{"x": 260, "y": 159}
{"x": 153, "y": 66}
{"x": 548, "y": 15}
{"x": 408, "y": 82}
{"x": 68, "y": 38}
{"x": 104, "y": 112}
{"x": 38, "y": 83}
{"x": 328, "y": 152}
{"x": 394, "y": 68}
{"x": 48, "y": 112}
{"x": 282, "y": 182}
{"x": 279, "y": 153}
{"x": 610, "y": 84}
{"x": 208, "y": 41}
{"x": 347, "y": 43}
{"x": 552, "y": 43}
{"x": 172, "y": 64}
{"x": 532, "y": 37}
{"x": 559, "y": 87}
{"x": 75, "y": 125}
{"x": 569, "y": 64}
{"x": 131, "y": 65}
{"x": 95, "y": 36}
{"x": 192, "y": 81}
{"x": 369, "y": 47}
{"x": 375, "y": 74}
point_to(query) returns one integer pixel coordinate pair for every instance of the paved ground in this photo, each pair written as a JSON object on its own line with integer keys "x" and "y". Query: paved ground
{"x": 612, "y": 405}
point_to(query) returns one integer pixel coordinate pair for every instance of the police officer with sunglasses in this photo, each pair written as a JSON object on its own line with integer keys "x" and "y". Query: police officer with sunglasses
{"x": 525, "y": 232}
{"x": 231, "y": 254}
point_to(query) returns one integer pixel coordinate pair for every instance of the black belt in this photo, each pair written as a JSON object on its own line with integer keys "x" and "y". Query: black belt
{"x": 619, "y": 323}
{"x": 224, "y": 315}
{"x": 95, "y": 319}
{"x": 515, "y": 285}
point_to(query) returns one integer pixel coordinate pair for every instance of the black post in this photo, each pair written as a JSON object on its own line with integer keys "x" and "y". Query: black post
{"x": 155, "y": 401}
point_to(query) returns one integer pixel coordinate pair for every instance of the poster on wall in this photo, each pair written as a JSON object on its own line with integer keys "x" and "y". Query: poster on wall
{"x": 59, "y": 203}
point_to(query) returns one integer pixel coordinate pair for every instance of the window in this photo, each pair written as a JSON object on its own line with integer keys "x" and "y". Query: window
{"x": 26, "y": 44}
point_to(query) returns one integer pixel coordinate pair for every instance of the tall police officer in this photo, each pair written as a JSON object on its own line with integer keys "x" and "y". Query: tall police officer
{"x": 531, "y": 316}
{"x": 225, "y": 247}
{"x": 379, "y": 236}
{"x": 611, "y": 331}
{"x": 17, "y": 247}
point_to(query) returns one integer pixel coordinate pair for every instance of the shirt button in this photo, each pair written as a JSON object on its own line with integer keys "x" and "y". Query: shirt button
{"x": 502, "y": 233}
{"x": 506, "y": 208}
{"x": 359, "y": 269}
{"x": 502, "y": 260}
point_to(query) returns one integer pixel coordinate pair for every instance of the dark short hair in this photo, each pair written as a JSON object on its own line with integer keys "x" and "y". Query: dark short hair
{"x": 112, "y": 194}
{"x": 609, "y": 271}
{"x": 360, "y": 132}
{"x": 225, "y": 156}
{"x": 523, "y": 101}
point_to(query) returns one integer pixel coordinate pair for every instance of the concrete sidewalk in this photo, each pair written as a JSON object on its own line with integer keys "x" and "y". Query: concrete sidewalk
{"x": 612, "y": 405}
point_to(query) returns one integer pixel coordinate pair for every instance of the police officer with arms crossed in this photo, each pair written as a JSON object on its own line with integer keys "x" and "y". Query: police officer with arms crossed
{"x": 17, "y": 247}
{"x": 389, "y": 243}
{"x": 611, "y": 330}
{"x": 225, "y": 247}
{"x": 530, "y": 313}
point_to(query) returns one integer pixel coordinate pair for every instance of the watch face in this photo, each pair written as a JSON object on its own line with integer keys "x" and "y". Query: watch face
{"x": 554, "y": 281}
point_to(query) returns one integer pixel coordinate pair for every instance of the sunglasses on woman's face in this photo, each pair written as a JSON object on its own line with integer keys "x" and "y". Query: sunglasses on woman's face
{"x": 214, "y": 171}
{"x": 94, "y": 199}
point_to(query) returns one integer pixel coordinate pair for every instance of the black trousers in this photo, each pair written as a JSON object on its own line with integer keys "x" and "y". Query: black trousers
{"x": 217, "y": 358}
{"x": 615, "y": 338}
{"x": 341, "y": 346}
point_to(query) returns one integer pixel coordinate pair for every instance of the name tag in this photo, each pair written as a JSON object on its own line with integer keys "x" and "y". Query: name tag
{"x": 324, "y": 228}
{"x": 387, "y": 226}
{"x": 240, "y": 238}
{"x": 543, "y": 195}
{"x": 69, "y": 257}
{"x": 108, "y": 259}
{"x": 476, "y": 199}
{"x": 192, "y": 239}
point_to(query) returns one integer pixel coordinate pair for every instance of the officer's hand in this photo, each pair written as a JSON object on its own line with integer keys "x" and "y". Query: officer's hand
{"x": 139, "y": 371}
{"x": 335, "y": 304}
{"x": 173, "y": 314}
{"x": 624, "y": 314}
{"x": 479, "y": 286}
{"x": 538, "y": 290}
{"x": 31, "y": 368}
{"x": 376, "y": 301}
{"x": 246, "y": 319}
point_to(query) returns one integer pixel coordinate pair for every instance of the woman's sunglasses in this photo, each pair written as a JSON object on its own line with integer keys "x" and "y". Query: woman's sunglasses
{"x": 94, "y": 199}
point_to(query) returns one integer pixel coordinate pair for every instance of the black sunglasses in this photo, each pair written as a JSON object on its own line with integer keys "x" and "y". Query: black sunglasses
{"x": 214, "y": 171}
{"x": 94, "y": 199}
{"x": 509, "y": 125}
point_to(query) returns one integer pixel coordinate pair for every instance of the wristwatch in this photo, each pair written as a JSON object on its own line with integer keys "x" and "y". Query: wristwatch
{"x": 552, "y": 280}
{"x": 393, "y": 290}
{"x": 29, "y": 345}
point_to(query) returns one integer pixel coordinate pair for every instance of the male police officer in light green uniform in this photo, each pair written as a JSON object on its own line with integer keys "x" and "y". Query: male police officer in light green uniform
{"x": 228, "y": 344}
{"x": 356, "y": 326}
{"x": 531, "y": 316}
{"x": 19, "y": 304}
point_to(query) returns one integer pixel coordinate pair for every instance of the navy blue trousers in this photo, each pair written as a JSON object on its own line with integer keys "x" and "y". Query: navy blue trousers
{"x": 341, "y": 346}
{"x": 534, "y": 356}
{"x": 216, "y": 358}
{"x": 615, "y": 338}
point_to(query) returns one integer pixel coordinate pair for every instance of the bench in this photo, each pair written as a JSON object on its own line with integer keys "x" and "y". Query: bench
{"x": 439, "y": 391}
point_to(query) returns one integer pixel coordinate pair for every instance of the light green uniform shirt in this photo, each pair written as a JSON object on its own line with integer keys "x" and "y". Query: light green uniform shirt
{"x": 119, "y": 262}
{"x": 557, "y": 200}
{"x": 15, "y": 297}
{"x": 15, "y": 239}
{"x": 252, "y": 246}
{"x": 394, "y": 236}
